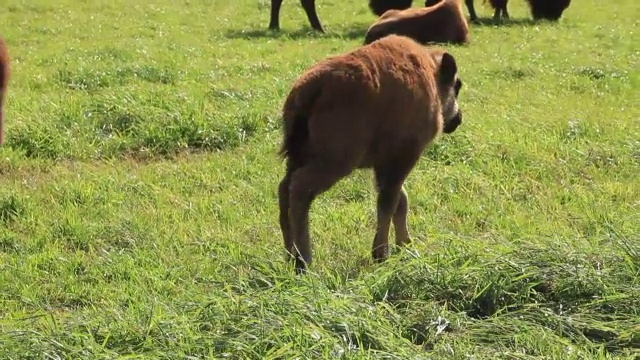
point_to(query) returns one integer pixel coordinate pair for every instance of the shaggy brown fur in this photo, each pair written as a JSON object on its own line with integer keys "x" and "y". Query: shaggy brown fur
{"x": 441, "y": 23}
{"x": 4, "y": 79}
{"x": 375, "y": 107}
{"x": 378, "y": 7}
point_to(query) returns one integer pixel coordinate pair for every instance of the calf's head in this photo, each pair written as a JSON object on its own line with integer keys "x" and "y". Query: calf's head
{"x": 449, "y": 85}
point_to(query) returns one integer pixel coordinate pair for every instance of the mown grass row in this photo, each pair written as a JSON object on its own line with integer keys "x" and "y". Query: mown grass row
{"x": 532, "y": 301}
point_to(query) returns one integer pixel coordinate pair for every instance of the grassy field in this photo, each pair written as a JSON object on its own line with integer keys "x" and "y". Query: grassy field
{"x": 138, "y": 206}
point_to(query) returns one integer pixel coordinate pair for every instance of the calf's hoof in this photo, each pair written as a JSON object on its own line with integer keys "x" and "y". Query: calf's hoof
{"x": 380, "y": 255}
{"x": 301, "y": 265}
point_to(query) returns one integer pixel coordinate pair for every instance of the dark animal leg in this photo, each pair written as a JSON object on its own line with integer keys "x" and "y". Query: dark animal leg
{"x": 274, "y": 22}
{"x": 389, "y": 183}
{"x": 496, "y": 15}
{"x": 306, "y": 184}
{"x": 472, "y": 10}
{"x": 505, "y": 13}
{"x": 283, "y": 200}
{"x": 309, "y": 7}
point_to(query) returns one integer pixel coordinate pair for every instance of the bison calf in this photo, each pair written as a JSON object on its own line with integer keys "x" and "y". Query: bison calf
{"x": 4, "y": 79}
{"x": 375, "y": 107}
{"x": 442, "y": 23}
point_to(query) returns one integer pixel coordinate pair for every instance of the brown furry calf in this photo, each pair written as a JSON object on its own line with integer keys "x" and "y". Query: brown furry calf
{"x": 378, "y": 7}
{"x": 4, "y": 79}
{"x": 376, "y": 107}
{"x": 441, "y": 23}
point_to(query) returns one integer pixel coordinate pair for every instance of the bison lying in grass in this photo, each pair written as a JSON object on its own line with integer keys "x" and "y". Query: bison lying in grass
{"x": 4, "y": 79}
{"x": 378, "y": 7}
{"x": 376, "y": 107}
{"x": 442, "y": 23}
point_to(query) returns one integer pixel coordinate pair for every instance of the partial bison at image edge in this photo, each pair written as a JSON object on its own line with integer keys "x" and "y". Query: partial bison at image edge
{"x": 4, "y": 79}
{"x": 378, "y": 107}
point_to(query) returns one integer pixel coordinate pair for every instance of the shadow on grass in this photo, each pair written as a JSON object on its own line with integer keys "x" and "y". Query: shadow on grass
{"x": 352, "y": 33}
{"x": 356, "y": 31}
{"x": 489, "y": 21}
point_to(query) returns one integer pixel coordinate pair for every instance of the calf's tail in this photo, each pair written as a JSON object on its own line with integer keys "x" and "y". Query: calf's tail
{"x": 296, "y": 113}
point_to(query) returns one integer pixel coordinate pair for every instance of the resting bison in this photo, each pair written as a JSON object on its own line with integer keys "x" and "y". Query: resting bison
{"x": 376, "y": 107}
{"x": 442, "y": 22}
{"x": 4, "y": 79}
{"x": 378, "y": 7}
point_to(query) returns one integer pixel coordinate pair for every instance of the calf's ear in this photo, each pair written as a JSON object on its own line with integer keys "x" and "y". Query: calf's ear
{"x": 448, "y": 67}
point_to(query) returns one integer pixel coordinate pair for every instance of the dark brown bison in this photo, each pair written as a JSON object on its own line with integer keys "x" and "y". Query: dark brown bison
{"x": 441, "y": 23}
{"x": 4, "y": 79}
{"x": 548, "y": 9}
{"x": 376, "y": 107}
{"x": 378, "y": 7}
{"x": 540, "y": 9}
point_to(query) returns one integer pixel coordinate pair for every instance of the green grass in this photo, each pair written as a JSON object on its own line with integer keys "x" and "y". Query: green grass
{"x": 138, "y": 207}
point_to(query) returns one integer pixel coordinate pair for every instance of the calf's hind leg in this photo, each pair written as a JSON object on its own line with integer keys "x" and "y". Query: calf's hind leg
{"x": 306, "y": 184}
{"x": 283, "y": 201}
{"x": 391, "y": 198}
